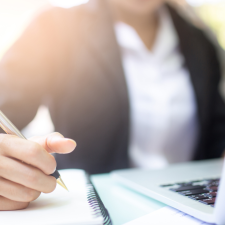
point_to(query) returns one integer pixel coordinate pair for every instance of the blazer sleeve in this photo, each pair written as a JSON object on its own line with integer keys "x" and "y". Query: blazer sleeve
{"x": 26, "y": 70}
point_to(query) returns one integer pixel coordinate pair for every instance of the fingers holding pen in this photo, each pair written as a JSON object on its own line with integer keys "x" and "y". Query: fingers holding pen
{"x": 8, "y": 204}
{"x": 24, "y": 172}
{"x": 27, "y": 151}
{"x": 26, "y": 175}
{"x": 17, "y": 192}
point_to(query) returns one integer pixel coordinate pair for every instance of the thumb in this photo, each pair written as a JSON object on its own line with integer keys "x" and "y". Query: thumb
{"x": 55, "y": 143}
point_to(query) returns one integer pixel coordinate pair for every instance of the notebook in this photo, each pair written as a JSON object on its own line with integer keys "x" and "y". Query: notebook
{"x": 81, "y": 205}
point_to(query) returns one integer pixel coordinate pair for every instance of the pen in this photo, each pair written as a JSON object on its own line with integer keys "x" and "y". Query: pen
{"x": 9, "y": 128}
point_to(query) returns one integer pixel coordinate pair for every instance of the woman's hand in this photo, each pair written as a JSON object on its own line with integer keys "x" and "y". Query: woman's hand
{"x": 25, "y": 166}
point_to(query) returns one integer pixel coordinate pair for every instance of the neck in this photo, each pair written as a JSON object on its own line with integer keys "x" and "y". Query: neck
{"x": 145, "y": 25}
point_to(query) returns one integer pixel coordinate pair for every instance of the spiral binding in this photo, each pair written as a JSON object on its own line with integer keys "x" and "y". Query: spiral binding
{"x": 96, "y": 203}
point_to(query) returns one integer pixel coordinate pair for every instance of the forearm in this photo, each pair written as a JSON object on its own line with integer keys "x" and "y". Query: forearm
{"x": 25, "y": 71}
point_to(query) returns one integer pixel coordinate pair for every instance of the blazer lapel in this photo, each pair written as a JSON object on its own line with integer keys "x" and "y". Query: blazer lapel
{"x": 196, "y": 53}
{"x": 195, "y": 59}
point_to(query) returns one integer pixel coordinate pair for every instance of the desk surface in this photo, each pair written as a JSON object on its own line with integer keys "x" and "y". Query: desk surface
{"x": 122, "y": 203}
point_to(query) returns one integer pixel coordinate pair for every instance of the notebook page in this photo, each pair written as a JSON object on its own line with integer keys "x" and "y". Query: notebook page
{"x": 59, "y": 207}
{"x": 169, "y": 216}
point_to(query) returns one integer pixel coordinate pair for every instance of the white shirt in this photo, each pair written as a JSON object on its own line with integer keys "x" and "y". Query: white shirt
{"x": 163, "y": 118}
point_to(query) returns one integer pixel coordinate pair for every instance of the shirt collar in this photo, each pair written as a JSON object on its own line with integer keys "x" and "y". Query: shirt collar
{"x": 166, "y": 40}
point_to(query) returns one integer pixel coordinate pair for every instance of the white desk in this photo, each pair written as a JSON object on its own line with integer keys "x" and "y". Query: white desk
{"x": 122, "y": 203}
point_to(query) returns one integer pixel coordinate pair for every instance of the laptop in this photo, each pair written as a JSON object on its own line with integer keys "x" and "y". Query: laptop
{"x": 196, "y": 188}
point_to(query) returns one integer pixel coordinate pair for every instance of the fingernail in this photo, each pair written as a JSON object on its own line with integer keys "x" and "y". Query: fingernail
{"x": 57, "y": 138}
{"x": 71, "y": 143}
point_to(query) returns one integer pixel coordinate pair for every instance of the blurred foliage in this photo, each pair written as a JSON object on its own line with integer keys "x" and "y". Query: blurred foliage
{"x": 214, "y": 16}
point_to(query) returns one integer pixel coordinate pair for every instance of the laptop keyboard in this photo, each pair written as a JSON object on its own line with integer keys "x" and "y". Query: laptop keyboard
{"x": 203, "y": 191}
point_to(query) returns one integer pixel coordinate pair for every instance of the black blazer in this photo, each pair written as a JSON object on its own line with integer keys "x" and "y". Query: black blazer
{"x": 70, "y": 60}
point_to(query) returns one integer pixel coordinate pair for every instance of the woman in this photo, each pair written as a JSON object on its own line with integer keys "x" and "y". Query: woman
{"x": 131, "y": 81}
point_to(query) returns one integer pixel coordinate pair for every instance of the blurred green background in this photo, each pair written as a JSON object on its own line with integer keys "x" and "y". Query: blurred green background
{"x": 213, "y": 14}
